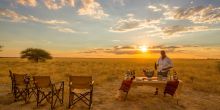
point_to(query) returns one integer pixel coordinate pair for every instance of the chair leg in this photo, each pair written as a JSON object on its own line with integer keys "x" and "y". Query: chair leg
{"x": 12, "y": 87}
{"x": 30, "y": 93}
{"x": 177, "y": 101}
{"x": 70, "y": 99}
{"x": 62, "y": 92}
{"x": 90, "y": 101}
{"x": 38, "y": 97}
{"x": 26, "y": 96}
{"x": 125, "y": 96}
{"x": 156, "y": 92}
{"x": 15, "y": 95}
{"x": 52, "y": 101}
{"x": 164, "y": 93}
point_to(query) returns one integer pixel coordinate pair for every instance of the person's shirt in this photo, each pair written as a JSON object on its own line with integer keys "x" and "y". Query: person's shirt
{"x": 164, "y": 63}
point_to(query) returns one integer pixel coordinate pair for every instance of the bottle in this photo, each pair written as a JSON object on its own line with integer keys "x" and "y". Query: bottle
{"x": 175, "y": 77}
{"x": 170, "y": 76}
{"x": 155, "y": 66}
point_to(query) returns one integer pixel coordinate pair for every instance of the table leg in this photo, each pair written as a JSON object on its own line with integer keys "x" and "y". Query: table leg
{"x": 156, "y": 92}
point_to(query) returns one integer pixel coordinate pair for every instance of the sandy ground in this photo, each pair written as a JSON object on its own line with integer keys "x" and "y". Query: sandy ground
{"x": 140, "y": 98}
{"x": 200, "y": 84}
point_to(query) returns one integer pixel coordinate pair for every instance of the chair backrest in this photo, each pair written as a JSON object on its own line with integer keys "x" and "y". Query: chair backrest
{"x": 19, "y": 79}
{"x": 80, "y": 82}
{"x": 42, "y": 81}
{"x": 10, "y": 74}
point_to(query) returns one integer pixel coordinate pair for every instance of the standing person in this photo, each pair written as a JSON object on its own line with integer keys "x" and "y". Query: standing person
{"x": 163, "y": 66}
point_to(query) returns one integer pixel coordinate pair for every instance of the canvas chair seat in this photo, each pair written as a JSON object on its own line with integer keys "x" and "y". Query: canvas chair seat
{"x": 171, "y": 87}
{"x": 46, "y": 90}
{"x": 80, "y": 91}
{"x": 21, "y": 86}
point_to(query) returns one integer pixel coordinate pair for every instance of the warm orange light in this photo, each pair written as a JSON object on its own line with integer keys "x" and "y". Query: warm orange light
{"x": 143, "y": 48}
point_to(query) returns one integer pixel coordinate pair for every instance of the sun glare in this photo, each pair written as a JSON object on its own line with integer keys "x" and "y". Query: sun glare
{"x": 143, "y": 48}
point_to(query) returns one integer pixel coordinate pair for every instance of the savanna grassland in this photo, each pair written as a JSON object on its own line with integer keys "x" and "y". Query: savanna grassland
{"x": 201, "y": 83}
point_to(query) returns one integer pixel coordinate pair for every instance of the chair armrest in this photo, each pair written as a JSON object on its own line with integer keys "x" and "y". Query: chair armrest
{"x": 59, "y": 82}
{"x": 92, "y": 83}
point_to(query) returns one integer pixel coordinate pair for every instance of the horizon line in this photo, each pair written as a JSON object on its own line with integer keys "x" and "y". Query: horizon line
{"x": 123, "y": 58}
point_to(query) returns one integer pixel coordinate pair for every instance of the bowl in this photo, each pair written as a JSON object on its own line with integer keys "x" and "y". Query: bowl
{"x": 149, "y": 73}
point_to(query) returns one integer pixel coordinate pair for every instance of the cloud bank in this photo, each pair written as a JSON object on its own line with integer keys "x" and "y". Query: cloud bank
{"x": 89, "y": 8}
{"x": 92, "y": 8}
{"x": 31, "y": 3}
{"x": 198, "y": 14}
{"x": 132, "y": 49}
{"x": 131, "y": 24}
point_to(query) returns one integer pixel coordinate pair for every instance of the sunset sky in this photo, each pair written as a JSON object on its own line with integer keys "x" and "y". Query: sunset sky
{"x": 111, "y": 28}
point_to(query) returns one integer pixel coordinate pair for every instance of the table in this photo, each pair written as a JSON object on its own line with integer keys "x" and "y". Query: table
{"x": 160, "y": 84}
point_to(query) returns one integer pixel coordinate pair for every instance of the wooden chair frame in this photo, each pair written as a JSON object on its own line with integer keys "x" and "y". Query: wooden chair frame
{"x": 12, "y": 81}
{"x": 21, "y": 87}
{"x": 80, "y": 82}
{"x": 128, "y": 87}
{"x": 48, "y": 90}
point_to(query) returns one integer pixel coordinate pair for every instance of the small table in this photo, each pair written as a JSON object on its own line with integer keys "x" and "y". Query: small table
{"x": 153, "y": 82}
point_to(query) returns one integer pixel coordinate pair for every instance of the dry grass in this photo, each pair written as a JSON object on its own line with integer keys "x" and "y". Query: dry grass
{"x": 201, "y": 89}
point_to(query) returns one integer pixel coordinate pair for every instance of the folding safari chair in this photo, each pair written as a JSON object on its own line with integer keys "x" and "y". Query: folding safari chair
{"x": 21, "y": 87}
{"x": 48, "y": 91}
{"x": 171, "y": 88}
{"x": 80, "y": 89}
{"x": 125, "y": 87}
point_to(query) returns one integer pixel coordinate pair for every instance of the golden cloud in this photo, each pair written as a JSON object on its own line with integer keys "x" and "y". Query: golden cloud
{"x": 132, "y": 49}
{"x": 63, "y": 29}
{"x": 131, "y": 24}
{"x": 32, "y": 3}
{"x": 92, "y": 8}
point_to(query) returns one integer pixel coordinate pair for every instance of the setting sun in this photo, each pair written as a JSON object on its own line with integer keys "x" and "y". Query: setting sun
{"x": 143, "y": 48}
